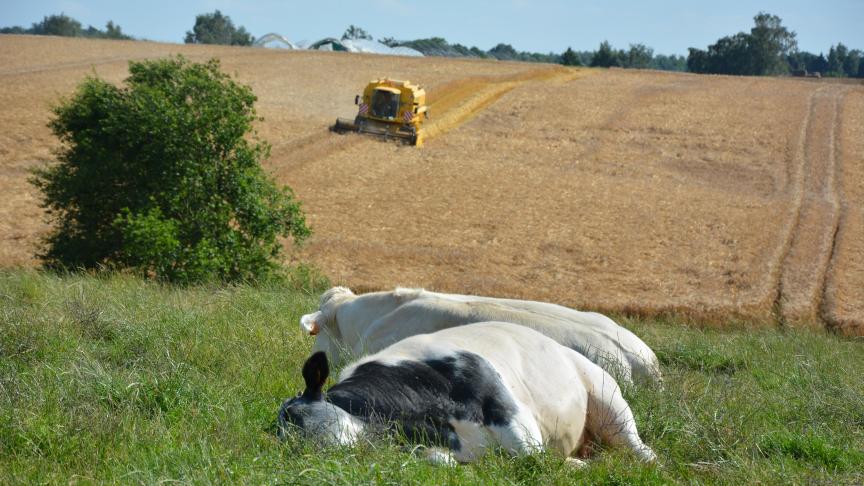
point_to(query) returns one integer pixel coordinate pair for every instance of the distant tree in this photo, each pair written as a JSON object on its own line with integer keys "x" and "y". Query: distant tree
{"x": 698, "y": 61}
{"x": 503, "y": 52}
{"x": 570, "y": 58}
{"x": 638, "y": 57}
{"x": 163, "y": 176}
{"x": 836, "y": 58}
{"x": 354, "y": 32}
{"x": 769, "y": 44}
{"x": 215, "y": 28}
{"x": 668, "y": 63}
{"x": 732, "y": 55}
{"x": 434, "y": 46}
{"x": 14, "y": 30}
{"x": 476, "y": 51}
{"x": 801, "y": 61}
{"x": 462, "y": 50}
{"x": 818, "y": 65}
{"x": 852, "y": 63}
{"x": 61, "y": 25}
{"x": 605, "y": 56}
{"x": 92, "y": 32}
{"x": 763, "y": 51}
{"x": 113, "y": 31}
{"x": 389, "y": 42}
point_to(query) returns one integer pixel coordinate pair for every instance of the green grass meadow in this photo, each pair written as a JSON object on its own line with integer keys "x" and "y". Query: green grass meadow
{"x": 117, "y": 380}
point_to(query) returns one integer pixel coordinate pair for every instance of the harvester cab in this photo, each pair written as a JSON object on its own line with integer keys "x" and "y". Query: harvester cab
{"x": 389, "y": 108}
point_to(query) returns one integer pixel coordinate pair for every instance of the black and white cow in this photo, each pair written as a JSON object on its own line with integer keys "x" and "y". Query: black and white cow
{"x": 468, "y": 387}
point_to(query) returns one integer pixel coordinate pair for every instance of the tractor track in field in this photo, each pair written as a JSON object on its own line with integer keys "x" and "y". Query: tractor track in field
{"x": 68, "y": 65}
{"x": 826, "y": 304}
{"x": 808, "y": 248}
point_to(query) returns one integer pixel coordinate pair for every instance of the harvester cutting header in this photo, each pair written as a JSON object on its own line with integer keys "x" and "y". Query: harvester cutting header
{"x": 390, "y": 109}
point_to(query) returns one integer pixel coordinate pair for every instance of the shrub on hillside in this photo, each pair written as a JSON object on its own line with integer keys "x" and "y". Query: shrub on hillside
{"x": 162, "y": 176}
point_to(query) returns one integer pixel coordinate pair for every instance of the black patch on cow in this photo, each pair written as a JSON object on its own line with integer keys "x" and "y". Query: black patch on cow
{"x": 420, "y": 397}
{"x": 292, "y": 415}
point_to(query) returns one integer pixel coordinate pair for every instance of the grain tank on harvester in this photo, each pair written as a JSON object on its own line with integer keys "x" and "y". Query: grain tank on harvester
{"x": 389, "y": 108}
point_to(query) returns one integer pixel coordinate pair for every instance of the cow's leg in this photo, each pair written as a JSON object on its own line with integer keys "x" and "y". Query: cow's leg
{"x": 646, "y": 369}
{"x": 439, "y": 456}
{"x": 521, "y": 435}
{"x": 472, "y": 439}
{"x": 611, "y": 421}
{"x": 575, "y": 463}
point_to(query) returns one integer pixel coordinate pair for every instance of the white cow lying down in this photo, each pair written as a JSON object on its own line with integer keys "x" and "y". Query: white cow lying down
{"x": 466, "y": 388}
{"x": 351, "y": 324}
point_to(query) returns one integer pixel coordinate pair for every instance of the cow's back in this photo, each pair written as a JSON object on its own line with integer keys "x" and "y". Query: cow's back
{"x": 586, "y": 333}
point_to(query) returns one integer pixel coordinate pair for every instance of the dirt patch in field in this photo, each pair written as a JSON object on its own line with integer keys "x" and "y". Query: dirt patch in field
{"x": 719, "y": 198}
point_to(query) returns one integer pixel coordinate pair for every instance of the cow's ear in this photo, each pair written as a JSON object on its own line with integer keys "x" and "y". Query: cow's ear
{"x": 310, "y": 324}
{"x": 315, "y": 372}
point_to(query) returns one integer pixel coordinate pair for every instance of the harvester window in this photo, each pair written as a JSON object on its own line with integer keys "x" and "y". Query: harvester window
{"x": 385, "y": 104}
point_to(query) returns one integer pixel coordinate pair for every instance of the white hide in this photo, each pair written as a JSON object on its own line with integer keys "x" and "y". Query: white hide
{"x": 351, "y": 326}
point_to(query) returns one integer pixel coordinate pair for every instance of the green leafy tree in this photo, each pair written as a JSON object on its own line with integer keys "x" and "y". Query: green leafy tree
{"x": 61, "y": 25}
{"x": 638, "y": 57}
{"x": 434, "y": 46}
{"x": 605, "y": 56}
{"x": 354, "y": 32}
{"x": 570, "y": 58}
{"x": 389, "y": 42}
{"x": 16, "y": 29}
{"x": 162, "y": 175}
{"x": 837, "y": 59}
{"x": 852, "y": 63}
{"x": 763, "y": 51}
{"x": 769, "y": 44}
{"x": 461, "y": 50}
{"x": 669, "y": 63}
{"x": 816, "y": 64}
{"x": 113, "y": 31}
{"x": 215, "y": 28}
{"x": 802, "y": 61}
{"x": 503, "y": 52}
{"x": 477, "y": 52}
{"x": 821, "y": 65}
{"x": 698, "y": 61}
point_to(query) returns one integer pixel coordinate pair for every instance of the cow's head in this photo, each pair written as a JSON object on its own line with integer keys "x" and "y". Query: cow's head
{"x": 312, "y": 414}
{"x": 323, "y": 323}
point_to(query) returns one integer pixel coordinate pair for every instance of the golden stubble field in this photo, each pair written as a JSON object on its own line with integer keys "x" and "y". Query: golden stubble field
{"x": 715, "y": 198}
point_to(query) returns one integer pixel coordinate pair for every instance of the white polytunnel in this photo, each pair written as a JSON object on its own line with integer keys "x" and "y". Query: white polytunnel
{"x": 278, "y": 41}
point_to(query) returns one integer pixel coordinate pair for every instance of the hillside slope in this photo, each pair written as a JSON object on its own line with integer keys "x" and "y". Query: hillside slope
{"x": 713, "y": 197}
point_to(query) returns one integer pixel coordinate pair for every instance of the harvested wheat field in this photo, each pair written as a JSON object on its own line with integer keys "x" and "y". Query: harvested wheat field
{"x": 720, "y": 199}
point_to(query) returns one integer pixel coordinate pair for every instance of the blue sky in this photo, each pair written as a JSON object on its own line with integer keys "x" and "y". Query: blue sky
{"x": 668, "y": 26}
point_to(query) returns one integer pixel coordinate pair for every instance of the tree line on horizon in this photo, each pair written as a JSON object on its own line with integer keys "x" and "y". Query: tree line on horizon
{"x": 769, "y": 49}
{"x": 66, "y": 26}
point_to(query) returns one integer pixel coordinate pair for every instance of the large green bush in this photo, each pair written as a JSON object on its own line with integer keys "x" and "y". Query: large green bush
{"x": 163, "y": 175}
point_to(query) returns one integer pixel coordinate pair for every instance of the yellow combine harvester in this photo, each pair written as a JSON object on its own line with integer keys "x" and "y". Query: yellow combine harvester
{"x": 389, "y": 108}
